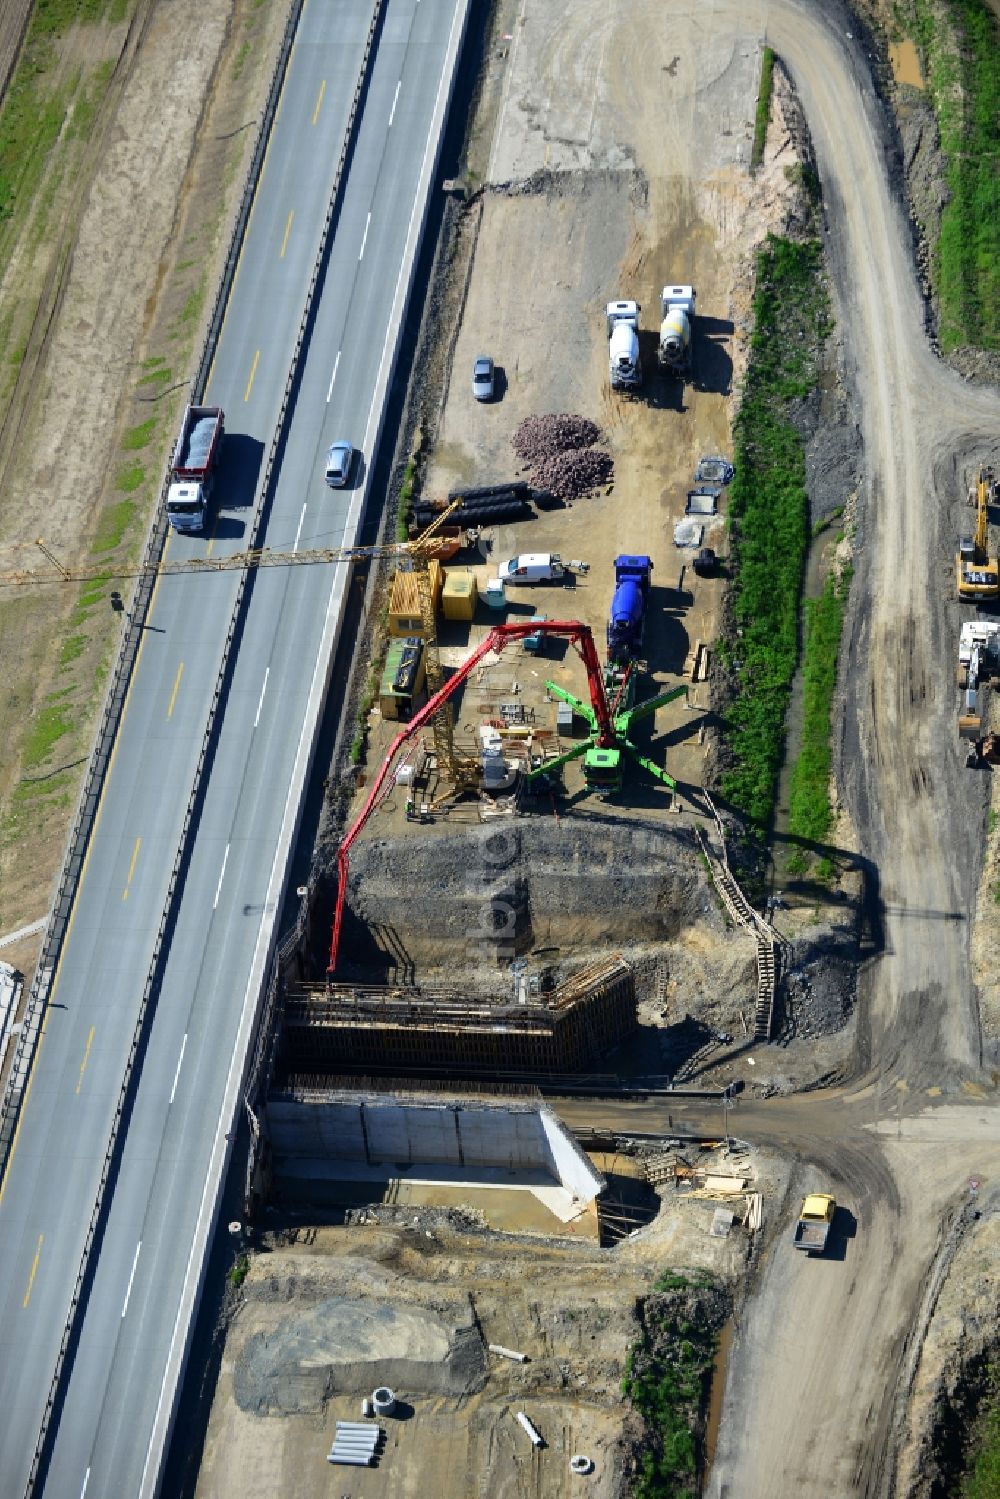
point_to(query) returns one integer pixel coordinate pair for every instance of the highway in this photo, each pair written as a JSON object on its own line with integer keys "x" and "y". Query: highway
{"x": 117, "y": 1387}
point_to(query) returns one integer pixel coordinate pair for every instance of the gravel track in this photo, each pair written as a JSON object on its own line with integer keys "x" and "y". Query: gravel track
{"x": 811, "y": 1393}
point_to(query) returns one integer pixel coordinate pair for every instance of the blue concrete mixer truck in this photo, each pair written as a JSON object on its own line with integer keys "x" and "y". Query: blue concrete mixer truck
{"x": 628, "y": 609}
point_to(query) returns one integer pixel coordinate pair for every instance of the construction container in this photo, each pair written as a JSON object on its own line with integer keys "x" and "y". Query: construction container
{"x": 405, "y": 615}
{"x": 459, "y": 595}
{"x": 402, "y": 677}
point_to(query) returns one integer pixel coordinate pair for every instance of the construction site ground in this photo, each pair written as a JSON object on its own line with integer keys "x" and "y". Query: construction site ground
{"x": 620, "y": 161}
{"x": 573, "y": 212}
{"x": 410, "y": 1297}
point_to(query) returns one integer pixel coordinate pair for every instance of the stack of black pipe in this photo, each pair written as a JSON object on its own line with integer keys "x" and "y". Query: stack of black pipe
{"x": 484, "y": 505}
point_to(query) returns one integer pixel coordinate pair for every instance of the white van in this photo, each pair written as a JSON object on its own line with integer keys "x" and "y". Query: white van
{"x": 532, "y": 567}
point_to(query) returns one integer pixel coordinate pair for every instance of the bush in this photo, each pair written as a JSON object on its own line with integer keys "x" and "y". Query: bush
{"x": 769, "y": 515}
{"x": 810, "y": 813}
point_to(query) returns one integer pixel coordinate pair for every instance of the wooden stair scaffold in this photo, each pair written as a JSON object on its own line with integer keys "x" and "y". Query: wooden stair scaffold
{"x": 769, "y": 942}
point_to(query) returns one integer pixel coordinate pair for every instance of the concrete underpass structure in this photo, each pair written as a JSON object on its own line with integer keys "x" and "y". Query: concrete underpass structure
{"x": 319, "y": 1136}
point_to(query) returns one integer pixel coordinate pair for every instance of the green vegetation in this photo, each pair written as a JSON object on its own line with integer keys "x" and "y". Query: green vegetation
{"x": 138, "y": 437}
{"x": 92, "y": 592}
{"x": 406, "y": 501}
{"x": 239, "y": 1272}
{"x": 963, "y": 70}
{"x": 114, "y": 522}
{"x": 54, "y": 788}
{"x": 34, "y": 110}
{"x": 156, "y": 377}
{"x": 811, "y": 815}
{"x": 71, "y": 648}
{"x": 667, "y": 1377}
{"x": 359, "y": 743}
{"x": 769, "y": 514}
{"x": 763, "y": 107}
{"x": 47, "y": 728}
{"x": 982, "y": 1475}
{"x": 192, "y": 305}
{"x": 130, "y": 478}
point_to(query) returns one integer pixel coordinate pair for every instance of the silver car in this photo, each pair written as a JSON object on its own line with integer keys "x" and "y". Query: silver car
{"x": 482, "y": 378}
{"x": 339, "y": 458}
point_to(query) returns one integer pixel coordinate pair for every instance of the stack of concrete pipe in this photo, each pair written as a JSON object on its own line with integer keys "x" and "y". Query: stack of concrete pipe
{"x": 355, "y": 1444}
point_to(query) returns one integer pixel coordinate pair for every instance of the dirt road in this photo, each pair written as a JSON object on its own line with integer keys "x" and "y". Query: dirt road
{"x": 816, "y": 1372}
{"x": 820, "y": 1365}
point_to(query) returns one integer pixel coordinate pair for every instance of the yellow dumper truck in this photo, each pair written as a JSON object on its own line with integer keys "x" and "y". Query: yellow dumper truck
{"x": 815, "y": 1221}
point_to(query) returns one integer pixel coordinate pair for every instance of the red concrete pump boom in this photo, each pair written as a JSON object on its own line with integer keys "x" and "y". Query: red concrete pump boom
{"x": 495, "y": 641}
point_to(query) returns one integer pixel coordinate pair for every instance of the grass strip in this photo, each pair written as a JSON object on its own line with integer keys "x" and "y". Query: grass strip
{"x": 769, "y": 515}
{"x": 981, "y": 1479}
{"x": 810, "y": 810}
{"x": 763, "y": 107}
{"x": 47, "y": 728}
{"x": 111, "y": 527}
{"x": 667, "y": 1379}
{"x": 964, "y": 83}
{"x": 405, "y": 511}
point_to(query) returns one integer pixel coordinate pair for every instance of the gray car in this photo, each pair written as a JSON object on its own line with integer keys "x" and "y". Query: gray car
{"x": 338, "y": 464}
{"x": 482, "y": 378}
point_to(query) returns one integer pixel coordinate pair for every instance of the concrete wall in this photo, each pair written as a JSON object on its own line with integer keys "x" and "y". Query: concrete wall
{"x": 385, "y": 1131}
{"x": 567, "y": 1162}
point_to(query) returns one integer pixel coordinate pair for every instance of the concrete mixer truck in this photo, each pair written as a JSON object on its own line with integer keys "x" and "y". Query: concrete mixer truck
{"x": 677, "y": 312}
{"x": 624, "y": 364}
{"x": 628, "y": 609}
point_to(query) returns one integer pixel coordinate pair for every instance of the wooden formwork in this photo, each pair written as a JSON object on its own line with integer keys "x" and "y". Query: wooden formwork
{"x": 337, "y": 1026}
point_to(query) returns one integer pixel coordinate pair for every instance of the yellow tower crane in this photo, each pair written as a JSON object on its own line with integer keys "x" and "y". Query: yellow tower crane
{"x": 977, "y": 574}
{"x": 460, "y": 771}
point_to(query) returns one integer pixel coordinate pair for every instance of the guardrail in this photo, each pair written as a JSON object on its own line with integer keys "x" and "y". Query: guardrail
{"x": 128, "y": 649}
{"x": 126, "y": 660}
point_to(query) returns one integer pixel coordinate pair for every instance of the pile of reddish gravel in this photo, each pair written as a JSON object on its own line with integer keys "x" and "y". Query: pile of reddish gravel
{"x": 560, "y": 453}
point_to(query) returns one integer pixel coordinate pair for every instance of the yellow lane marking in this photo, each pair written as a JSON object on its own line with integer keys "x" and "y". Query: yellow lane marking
{"x": 253, "y": 371}
{"x": 131, "y": 868}
{"x": 173, "y": 695}
{"x": 253, "y": 205}
{"x": 79, "y": 884}
{"x": 86, "y": 1058}
{"x": 319, "y": 101}
{"x": 288, "y": 230}
{"x": 34, "y": 1270}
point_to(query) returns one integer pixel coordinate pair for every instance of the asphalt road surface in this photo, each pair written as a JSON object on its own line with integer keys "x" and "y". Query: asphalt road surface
{"x": 131, "y": 1317}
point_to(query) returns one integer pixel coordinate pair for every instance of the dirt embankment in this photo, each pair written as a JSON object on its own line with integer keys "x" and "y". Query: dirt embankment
{"x": 953, "y": 1376}
{"x": 533, "y": 884}
{"x": 102, "y": 380}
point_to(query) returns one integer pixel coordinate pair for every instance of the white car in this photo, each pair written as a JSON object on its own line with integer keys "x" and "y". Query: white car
{"x": 339, "y": 459}
{"x": 483, "y": 378}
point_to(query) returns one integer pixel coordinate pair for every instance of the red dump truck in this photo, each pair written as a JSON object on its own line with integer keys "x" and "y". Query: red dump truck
{"x": 195, "y": 457}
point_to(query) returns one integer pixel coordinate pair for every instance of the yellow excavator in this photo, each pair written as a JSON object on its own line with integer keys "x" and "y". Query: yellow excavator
{"x": 977, "y": 574}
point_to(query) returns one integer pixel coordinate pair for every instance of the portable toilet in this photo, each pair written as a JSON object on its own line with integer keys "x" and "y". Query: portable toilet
{"x": 494, "y": 594}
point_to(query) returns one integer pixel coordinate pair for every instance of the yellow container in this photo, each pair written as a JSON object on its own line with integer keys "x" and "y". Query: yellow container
{"x": 458, "y": 599}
